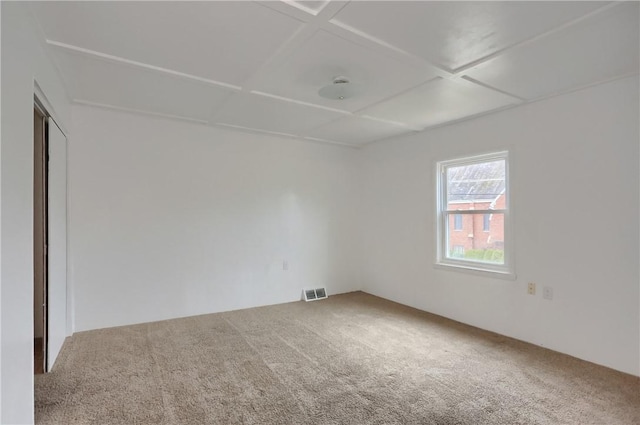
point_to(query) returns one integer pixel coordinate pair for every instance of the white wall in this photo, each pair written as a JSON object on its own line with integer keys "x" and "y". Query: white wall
{"x": 0, "y": 215}
{"x": 574, "y": 160}
{"x": 171, "y": 219}
{"x": 23, "y": 61}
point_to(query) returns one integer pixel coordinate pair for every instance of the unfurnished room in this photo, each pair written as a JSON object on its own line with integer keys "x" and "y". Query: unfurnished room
{"x": 320, "y": 212}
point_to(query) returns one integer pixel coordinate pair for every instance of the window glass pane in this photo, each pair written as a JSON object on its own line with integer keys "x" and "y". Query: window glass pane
{"x": 476, "y": 186}
{"x": 473, "y": 243}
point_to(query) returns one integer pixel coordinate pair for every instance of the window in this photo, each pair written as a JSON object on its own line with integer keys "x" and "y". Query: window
{"x": 473, "y": 194}
{"x": 457, "y": 251}
{"x": 457, "y": 222}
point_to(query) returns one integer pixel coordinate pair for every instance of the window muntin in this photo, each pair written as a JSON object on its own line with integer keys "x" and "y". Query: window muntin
{"x": 473, "y": 213}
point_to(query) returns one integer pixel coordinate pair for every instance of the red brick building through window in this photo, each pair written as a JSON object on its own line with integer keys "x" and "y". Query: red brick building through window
{"x": 476, "y": 186}
{"x": 476, "y": 231}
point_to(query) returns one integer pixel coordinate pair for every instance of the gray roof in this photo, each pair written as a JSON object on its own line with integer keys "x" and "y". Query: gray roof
{"x": 483, "y": 181}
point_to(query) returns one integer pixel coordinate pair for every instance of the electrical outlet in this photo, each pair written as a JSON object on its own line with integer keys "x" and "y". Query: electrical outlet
{"x": 547, "y": 293}
{"x": 285, "y": 265}
{"x": 531, "y": 288}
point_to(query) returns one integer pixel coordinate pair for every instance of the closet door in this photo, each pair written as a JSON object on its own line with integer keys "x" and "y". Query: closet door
{"x": 57, "y": 243}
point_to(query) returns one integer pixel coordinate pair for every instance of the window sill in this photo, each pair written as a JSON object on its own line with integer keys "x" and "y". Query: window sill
{"x": 494, "y": 274}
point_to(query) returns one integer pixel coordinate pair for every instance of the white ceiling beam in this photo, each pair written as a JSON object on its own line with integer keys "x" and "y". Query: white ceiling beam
{"x": 112, "y": 58}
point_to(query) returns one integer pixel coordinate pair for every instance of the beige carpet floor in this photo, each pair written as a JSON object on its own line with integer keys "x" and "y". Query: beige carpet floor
{"x": 350, "y": 359}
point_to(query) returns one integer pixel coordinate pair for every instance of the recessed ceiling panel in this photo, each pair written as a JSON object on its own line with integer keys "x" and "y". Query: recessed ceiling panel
{"x": 357, "y": 130}
{"x": 222, "y": 41}
{"x": 594, "y": 50}
{"x": 375, "y": 76}
{"x": 453, "y": 34}
{"x": 124, "y": 86}
{"x": 264, "y": 113}
{"x": 439, "y": 101}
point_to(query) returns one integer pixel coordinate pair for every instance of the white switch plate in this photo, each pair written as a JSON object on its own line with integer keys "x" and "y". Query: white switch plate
{"x": 547, "y": 293}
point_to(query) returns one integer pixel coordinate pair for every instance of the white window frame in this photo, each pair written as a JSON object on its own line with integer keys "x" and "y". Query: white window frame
{"x": 505, "y": 270}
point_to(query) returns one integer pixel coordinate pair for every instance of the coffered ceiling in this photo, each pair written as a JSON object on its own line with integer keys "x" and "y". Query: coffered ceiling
{"x": 258, "y": 66}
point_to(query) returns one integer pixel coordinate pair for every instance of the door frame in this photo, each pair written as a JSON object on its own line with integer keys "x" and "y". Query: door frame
{"x": 57, "y": 310}
{"x": 44, "y": 182}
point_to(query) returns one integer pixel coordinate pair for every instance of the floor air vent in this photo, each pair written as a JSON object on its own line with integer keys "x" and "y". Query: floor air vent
{"x": 314, "y": 294}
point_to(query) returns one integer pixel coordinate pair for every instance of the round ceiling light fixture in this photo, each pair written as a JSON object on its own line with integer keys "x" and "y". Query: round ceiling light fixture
{"x": 341, "y": 88}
